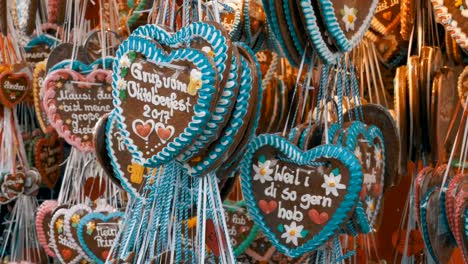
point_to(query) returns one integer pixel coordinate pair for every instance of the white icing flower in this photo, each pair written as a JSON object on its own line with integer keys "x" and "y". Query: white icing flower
{"x": 263, "y": 171}
{"x": 370, "y": 208}
{"x": 332, "y": 184}
{"x": 292, "y": 233}
{"x": 208, "y": 51}
{"x": 358, "y": 154}
{"x": 125, "y": 62}
{"x": 349, "y": 17}
{"x": 378, "y": 157}
{"x": 121, "y": 84}
{"x": 195, "y": 74}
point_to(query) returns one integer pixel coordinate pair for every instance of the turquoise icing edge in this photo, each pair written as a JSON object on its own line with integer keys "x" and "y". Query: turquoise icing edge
{"x": 424, "y": 230}
{"x": 316, "y": 36}
{"x": 201, "y": 108}
{"x": 302, "y": 158}
{"x": 82, "y": 224}
{"x": 236, "y": 121}
{"x": 335, "y": 30}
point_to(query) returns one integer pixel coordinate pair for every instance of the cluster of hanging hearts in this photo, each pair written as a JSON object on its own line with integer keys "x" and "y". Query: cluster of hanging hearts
{"x": 226, "y": 131}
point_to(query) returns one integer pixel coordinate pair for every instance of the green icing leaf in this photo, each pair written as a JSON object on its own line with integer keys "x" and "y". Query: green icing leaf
{"x": 132, "y": 56}
{"x": 123, "y": 72}
{"x": 123, "y": 95}
{"x": 281, "y": 227}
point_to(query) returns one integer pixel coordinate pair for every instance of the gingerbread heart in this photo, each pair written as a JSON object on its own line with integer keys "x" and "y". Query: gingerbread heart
{"x": 48, "y": 157}
{"x": 74, "y": 103}
{"x": 347, "y": 21}
{"x": 145, "y": 80}
{"x": 242, "y": 230}
{"x": 327, "y": 178}
{"x": 13, "y": 184}
{"x": 71, "y": 221}
{"x": 213, "y": 40}
{"x": 367, "y": 144}
{"x": 453, "y": 15}
{"x": 233, "y": 133}
{"x": 43, "y": 218}
{"x": 97, "y": 233}
{"x": 13, "y": 88}
{"x": 65, "y": 250}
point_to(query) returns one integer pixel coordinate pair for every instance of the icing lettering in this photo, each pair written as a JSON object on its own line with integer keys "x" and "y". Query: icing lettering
{"x": 14, "y": 86}
{"x": 153, "y": 78}
{"x": 294, "y": 214}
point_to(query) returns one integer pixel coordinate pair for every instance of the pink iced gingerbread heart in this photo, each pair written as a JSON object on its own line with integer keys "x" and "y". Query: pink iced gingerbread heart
{"x": 43, "y": 217}
{"x": 75, "y": 102}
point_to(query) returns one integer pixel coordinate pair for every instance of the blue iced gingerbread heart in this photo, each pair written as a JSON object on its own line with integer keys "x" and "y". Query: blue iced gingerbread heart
{"x": 299, "y": 199}
{"x": 367, "y": 144}
{"x": 162, "y": 100}
{"x": 214, "y": 41}
{"x": 97, "y": 232}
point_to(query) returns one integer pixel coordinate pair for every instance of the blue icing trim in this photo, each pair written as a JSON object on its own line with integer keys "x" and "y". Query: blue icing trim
{"x": 274, "y": 24}
{"x": 424, "y": 228}
{"x": 315, "y": 35}
{"x": 82, "y": 226}
{"x": 303, "y": 137}
{"x": 302, "y": 158}
{"x": 201, "y": 109}
{"x": 41, "y": 39}
{"x": 219, "y": 45}
{"x": 106, "y": 62}
{"x": 292, "y": 31}
{"x": 237, "y": 120}
{"x": 75, "y": 65}
{"x": 256, "y": 119}
{"x": 443, "y": 211}
{"x": 335, "y": 30}
{"x": 370, "y": 134}
{"x": 292, "y": 133}
{"x": 246, "y": 15}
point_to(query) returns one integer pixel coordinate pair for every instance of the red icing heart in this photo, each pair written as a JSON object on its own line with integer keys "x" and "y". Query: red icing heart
{"x": 164, "y": 133}
{"x": 67, "y": 254}
{"x": 143, "y": 130}
{"x": 105, "y": 254}
{"x": 317, "y": 218}
{"x": 377, "y": 189}
{"x": 267, "y": 207}
{"x": 95, "y": 187}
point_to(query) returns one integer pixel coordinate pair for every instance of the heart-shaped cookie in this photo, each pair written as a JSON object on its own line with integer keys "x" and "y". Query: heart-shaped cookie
{"x": 347, "y": 21}
{"x": 71, "y": 221}
{"x": 214, "y": 41}
{"x": 94, "y": 187}
{"x": 43, "y": 218}
{"x": 327, "y": 178}
{"x": 48, "y": 157}
{"x": 453, "y": 15}
{"x": 97, "y": 232}
{"x": 149, "y": 87}
{"x": 242, "y": 230}
{"x": 65, "y": 250}
{"x": 233, "y": 133}
{"x": 74, "y": 103}
{"x": 13, "y": 88}
{"x": 367, "y": 144}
